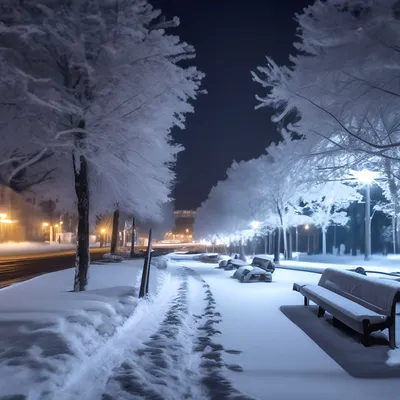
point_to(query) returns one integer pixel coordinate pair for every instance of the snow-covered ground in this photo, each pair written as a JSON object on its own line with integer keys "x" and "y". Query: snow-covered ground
{"x": 279, "y": 361}
{"x": 17, "y": 248}
{"x": 391, "y": 261}
{"x": 200, "y": 335}
{"x": 50, "y": 337}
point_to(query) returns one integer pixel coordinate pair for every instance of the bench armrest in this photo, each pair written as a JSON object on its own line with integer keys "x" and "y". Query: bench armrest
{"x": 297, "y": 286}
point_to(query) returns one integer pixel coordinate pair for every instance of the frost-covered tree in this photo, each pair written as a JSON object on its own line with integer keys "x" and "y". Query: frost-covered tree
{"x": 264, "y": 189}
{"x": 327, "y": 202}
{"x": 103, "y": 83}
{"x": 343, "y": 83}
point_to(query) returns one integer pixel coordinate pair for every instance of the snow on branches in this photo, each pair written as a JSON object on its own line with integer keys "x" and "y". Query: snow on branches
{"x": 103, "y": 80}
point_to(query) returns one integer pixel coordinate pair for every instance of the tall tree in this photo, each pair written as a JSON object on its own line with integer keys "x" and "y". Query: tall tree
{"x": 327, "y": 202}
{"x": 103, "y": 82}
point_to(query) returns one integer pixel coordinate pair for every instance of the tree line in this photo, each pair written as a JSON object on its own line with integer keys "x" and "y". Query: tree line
{"x": 336, "y": 105}
{"x": 90, "y": 93}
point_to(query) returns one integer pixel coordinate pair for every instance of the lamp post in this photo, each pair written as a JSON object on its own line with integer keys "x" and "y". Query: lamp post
{"x": 102, "y": 237}
{"x": 366, "y": 177}
{"x": 307, "y": 228}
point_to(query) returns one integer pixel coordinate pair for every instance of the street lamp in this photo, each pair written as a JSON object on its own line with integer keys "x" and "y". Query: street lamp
{"x": 366, "y": 177}
{"x": 307, "y": 228}
{"x": 255, "y": 224}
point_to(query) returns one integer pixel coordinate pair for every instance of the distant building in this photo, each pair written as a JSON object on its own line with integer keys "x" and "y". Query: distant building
{"x": 183, "y": 231}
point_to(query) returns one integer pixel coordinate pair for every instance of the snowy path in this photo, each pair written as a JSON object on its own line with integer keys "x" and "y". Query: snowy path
{"x": 180, "y": 360}
{"x": 279, "y": 361}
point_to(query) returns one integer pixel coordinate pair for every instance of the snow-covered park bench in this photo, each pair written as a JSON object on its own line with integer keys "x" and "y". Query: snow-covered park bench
{"x": 261, "y": 262}
{"x": 362, "y": 303}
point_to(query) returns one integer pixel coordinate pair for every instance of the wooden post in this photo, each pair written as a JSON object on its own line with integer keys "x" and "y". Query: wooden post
{"x": 144, "y": 285}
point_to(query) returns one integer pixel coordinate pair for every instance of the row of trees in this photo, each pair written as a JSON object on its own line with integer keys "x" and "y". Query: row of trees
{"x": 90, "y": 93}
{"x": 267, "y": 194}
{"x": 336, "y": 105}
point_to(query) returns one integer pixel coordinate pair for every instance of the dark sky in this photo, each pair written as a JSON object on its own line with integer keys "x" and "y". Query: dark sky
{"x": 231, "y": 37}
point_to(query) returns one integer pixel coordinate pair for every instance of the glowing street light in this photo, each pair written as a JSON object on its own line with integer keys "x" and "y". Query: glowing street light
{"x": 3, "y": 216}
{"x": 307, "y": 227}
{"x": 44, "y": 224}
{"x": 103, "y": 231}
{"x": 7, "y": 221}
{"x": 255, "y": 224}
{"x": 366, "y": 177}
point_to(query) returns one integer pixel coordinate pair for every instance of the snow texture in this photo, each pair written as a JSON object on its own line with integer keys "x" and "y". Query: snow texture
{"x": 200, "y": 335}
{"x": 47, "y": 334}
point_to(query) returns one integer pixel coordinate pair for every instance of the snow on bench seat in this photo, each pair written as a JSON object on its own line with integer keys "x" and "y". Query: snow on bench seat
{"x": 349, "y": 307}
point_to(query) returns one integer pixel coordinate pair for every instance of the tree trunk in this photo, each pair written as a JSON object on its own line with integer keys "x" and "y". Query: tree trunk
{"x": 394, "y": 226}
{"x": 241, "y": 254}
{"x": 82, "y": 248}
{"x": 290, "y": 249}
{"x": 285, "y": 243}
{"x": 323, "y": 229}
{"x": 266, "y": 242}
{"x": 114, "y": 237}
{"x": 271, "y": 243}
{"x": 132, "y": 254}
{"x": 277, "y": 245}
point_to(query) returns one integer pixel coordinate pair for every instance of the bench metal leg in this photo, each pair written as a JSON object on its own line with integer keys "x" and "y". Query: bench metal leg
{"x": 305, "y": 301}
{"x": 335, "y": 322}
{"x": 321, "y": 312}
{"x": 365, "y": 334}
{"x": 392, "y": 335}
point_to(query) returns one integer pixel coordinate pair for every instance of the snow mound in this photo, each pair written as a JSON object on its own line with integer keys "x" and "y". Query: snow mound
{"x": 47, "y": 333}
{"x": 43, "y": 343}
{"x": 160, "y": 262}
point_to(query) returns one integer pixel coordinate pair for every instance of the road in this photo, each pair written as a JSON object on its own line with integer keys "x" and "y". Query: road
{"x": 21, "y": 268}
{"x": 18, "y": 268}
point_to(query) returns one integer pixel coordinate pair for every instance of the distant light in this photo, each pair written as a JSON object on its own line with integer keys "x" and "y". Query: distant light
{"x": 8, "y": 221}
{"x": 61, "y": 222}
{"x": 255, "y": 224}
{"x": 103, "y": 230}
{"x": 307, "y": 227}
{"x": 56, "y": 225}
{"x": 45, "y": 224}
{"x": 3, "y": 216}
{"x": 365, "y": 176}
{"x": 187, "y": 230}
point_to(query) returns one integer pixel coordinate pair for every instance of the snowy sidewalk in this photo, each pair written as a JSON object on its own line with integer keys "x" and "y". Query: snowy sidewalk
{"x": 279, "y": 361}
{"x": 180, "y": 360}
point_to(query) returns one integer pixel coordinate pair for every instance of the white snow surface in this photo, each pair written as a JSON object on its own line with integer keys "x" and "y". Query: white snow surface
{"x": 49, "y": 335}
{"x": 200, "y": 335}
{"x": 279, "y": 360}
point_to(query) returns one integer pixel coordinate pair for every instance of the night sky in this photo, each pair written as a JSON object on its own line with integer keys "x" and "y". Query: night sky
{"x": 231, "y": 38}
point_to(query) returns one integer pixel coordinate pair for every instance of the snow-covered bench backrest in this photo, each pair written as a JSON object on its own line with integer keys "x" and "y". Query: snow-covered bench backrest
{"x": 374, "y": 293}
